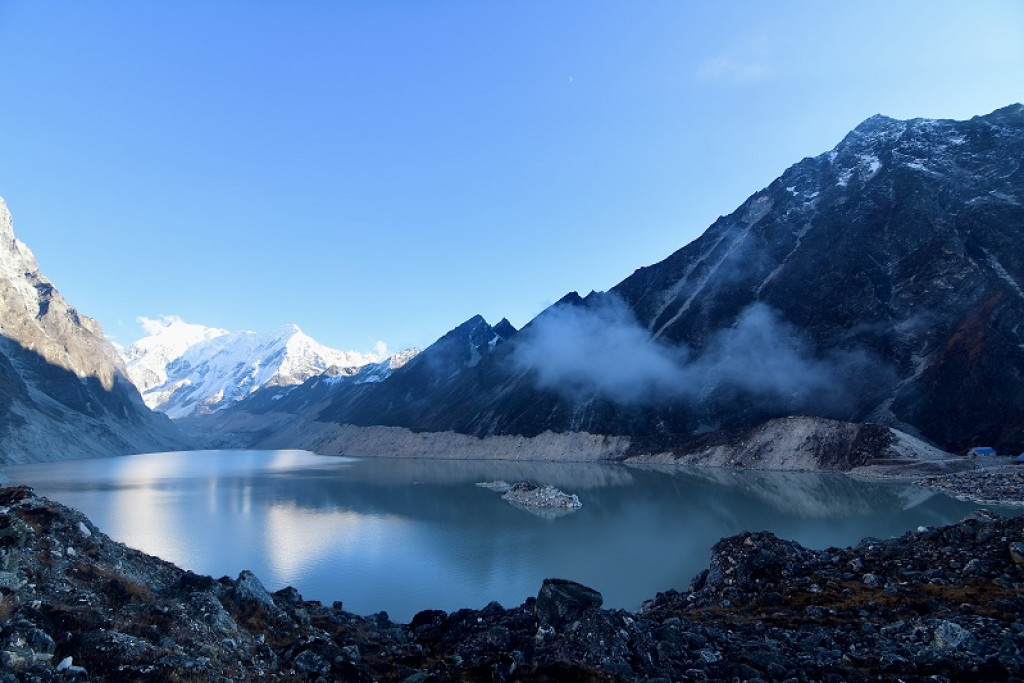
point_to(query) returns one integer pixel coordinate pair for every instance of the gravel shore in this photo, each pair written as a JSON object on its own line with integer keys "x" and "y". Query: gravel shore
{"x": 990, "y": 484}
{"x": 986, "y": 481}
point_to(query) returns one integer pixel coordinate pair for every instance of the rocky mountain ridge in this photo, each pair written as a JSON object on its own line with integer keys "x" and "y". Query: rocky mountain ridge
{"x": 64, "y": 392}
{"x": 882, "y": 281}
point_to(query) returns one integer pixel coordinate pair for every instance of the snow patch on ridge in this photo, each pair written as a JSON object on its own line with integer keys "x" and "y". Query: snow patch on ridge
{"x": 1003, "y": 275}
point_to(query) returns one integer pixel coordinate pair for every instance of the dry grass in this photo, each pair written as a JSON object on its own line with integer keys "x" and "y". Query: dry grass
{"x": 119, "y": 588}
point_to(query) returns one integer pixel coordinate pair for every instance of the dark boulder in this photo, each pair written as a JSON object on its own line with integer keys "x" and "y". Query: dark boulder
{"x": 562, "y": 602}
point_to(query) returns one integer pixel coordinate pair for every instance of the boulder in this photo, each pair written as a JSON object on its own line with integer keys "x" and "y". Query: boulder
{"x": 561, "y": 602}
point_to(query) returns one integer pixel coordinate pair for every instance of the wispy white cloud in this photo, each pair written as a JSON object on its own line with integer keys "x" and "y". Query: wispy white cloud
{"x": 729, "y": 69}
{"x": 749, "y": 62}
{"x": 154, "y": 326}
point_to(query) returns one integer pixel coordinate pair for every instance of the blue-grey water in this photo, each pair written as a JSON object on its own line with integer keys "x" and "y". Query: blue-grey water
{"x": 407, "y": 535}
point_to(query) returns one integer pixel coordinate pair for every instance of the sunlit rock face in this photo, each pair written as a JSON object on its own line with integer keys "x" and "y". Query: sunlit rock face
{"x": 63, "y": 388}
{"x": 882, "y": 281}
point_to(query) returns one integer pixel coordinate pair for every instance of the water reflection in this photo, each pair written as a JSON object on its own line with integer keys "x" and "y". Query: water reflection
{"x": 814, "y": 495}
{"x": 406, "y": 535}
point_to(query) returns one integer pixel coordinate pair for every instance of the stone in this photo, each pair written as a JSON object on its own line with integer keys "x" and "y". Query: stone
{"x": 248, "y": 587}
{"x": 951, "y": 636}
{"x": 871, "y": 580}
{"x": 22, "y": 643}
{"x": 11, "y": 581}
{"x": 1017, "y": 553}
{"x": 309, "y": 662}
{"x": 561, "y": 601}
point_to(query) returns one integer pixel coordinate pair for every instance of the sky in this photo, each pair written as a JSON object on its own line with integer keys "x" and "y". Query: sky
{"x": 386, "y": 169}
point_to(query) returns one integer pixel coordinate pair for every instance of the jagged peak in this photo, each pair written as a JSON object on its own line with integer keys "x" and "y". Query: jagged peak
{"x": 505, "y": 328}
{"x": 473, "y": 323}
{"x": 572, "y": 299}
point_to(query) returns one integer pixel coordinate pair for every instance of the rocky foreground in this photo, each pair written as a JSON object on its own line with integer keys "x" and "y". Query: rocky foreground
{"x": 936, "y": 604}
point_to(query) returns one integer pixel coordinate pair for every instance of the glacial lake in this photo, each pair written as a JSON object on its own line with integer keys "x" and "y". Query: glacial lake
{"x": 407, "y": 535}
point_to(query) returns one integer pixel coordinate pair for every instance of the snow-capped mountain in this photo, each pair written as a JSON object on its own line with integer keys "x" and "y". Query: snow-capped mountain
{"x": 63, "y": 389}
{"x": 183, "y": 368}
{"x": 406, "y": 381}
{"x": 166, "y": 340}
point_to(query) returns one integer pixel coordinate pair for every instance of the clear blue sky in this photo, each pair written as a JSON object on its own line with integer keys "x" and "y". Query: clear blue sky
{"x": 387, "y": 169}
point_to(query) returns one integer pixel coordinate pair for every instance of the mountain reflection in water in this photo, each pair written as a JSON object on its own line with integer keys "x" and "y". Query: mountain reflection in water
{"x": 407, "y": 535}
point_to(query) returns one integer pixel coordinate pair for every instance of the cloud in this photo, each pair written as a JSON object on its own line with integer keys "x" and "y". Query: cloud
{"x": 773, "y": 364}
{"x": 151, "y": 326}
{"x": 732, "y": 70}
{"x": 747, "y": 62}
{"x": 600, "y": 349}
{"x": 579, "y": 350}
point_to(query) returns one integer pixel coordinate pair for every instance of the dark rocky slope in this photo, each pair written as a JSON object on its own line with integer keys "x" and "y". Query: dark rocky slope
{"x": 937, "y": 604}
{"x": 64, "y": 391}
{"x": 880, "y": 282}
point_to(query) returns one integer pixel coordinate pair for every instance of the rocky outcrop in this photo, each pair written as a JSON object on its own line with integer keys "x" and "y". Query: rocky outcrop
{"x": 64, "y": 391}
{"x": 544, "y": 497}
{"x": 544, "y": 501}
{"x": 935, "y": 604}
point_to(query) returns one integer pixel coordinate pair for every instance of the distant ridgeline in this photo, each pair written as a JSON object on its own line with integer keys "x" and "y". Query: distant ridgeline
{"x": 880, "y": 282}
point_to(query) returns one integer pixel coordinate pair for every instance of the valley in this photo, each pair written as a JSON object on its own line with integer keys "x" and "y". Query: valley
{"x": 850, "y": 329}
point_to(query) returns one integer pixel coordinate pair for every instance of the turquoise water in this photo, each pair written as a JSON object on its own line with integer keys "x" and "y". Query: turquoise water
{"x": 407, "y": 535}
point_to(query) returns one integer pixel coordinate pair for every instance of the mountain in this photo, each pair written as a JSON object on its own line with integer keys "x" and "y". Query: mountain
{"x": 64, "y": 391}
{"x": 882, "y": 281}
{"x": 408, "y": 395}
{"x": 166, "y": 340}
{"x": 390, "y": 392}
{"x": 183, "y": 369}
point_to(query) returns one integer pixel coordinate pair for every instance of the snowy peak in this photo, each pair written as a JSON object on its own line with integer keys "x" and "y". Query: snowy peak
{"x": 183, "y": 368}
{"x": 166, "y": 340}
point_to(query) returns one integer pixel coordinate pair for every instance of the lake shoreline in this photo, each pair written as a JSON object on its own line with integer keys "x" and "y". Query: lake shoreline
{"x": 378, "y": 529}
{"x": 935, "y": 602}
{"x": 793, "y": 443}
